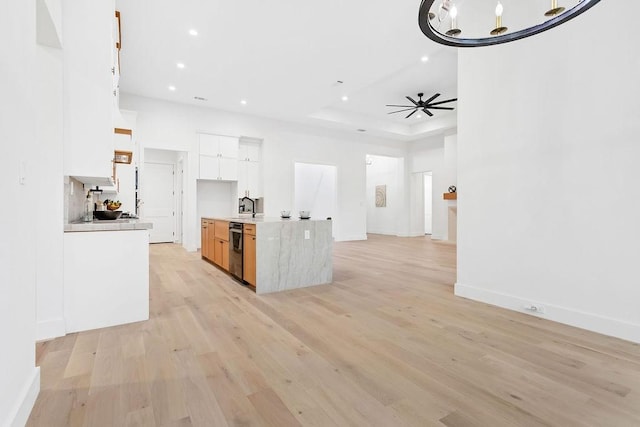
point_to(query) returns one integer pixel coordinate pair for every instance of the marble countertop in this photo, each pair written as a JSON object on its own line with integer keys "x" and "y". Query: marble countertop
{"x": 258, "y": 220}
{"x": 107, "y": 225}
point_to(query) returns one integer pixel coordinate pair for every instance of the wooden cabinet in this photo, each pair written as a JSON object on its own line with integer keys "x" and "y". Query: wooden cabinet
{"x": 221, "y": 253}
{"x": 249, "y": 254}
{"x": 219, "y": 243}
{"x": 204, "y": 239}
{"x": 218, "y": 157}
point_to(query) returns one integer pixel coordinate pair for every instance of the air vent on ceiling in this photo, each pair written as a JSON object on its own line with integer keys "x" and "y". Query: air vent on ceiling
{"x": 199, "y": 98}
{"x": 361, "y": 130}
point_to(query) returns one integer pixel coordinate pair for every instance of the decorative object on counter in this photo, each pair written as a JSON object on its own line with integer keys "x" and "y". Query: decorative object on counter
{"x": 438, "y": 20}
{"x": 285, "y": 214}
{"x": 107, "y": 215}
{"x": 305, "y": 214}
{"x": 112, "y": 205}
{"x": 452, "y": 189}
{"x": 88, "y": 208}
{"x": 381, "y": 196}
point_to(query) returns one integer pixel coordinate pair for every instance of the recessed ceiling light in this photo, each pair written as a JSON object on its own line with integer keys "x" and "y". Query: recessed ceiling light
{"x": 172, "y": 88}
{"x": 193, "y": 32}
{"x": 243, "y": 102}
{"x": 180, "y": 65}
{"x": 419, "y": 116}
{"x": 345, "y": 98}
{"x": 424, "y": 59}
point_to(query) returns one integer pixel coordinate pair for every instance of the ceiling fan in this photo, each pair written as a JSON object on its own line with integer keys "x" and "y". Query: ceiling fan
{"x": 423, "y": 105}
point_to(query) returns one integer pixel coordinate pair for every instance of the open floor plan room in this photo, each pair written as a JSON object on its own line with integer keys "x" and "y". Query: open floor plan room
{"x": 387, "y": 344}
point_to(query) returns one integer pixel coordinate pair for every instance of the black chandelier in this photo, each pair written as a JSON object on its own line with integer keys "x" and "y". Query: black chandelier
{"x": 439, "y": 20}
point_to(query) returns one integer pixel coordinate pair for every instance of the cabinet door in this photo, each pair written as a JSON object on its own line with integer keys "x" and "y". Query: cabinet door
{"x": 209, "y": 168}
{"x": 228, "y": 169}
{"x": 228, "y": 147}
{"x": 204, "y": 240}
{"x": 208, "y": 144}
{"x": 253, "y": 179}
{"x": 249, "y": 259}
{"x": 253, "y": 152}
{"x": 211, "y": 242}
{"x": 217, "y": 252}
{"x": 225, "y": 255}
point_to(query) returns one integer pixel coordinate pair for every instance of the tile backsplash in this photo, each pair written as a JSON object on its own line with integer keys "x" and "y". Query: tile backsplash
{"x": 73, "y": 203}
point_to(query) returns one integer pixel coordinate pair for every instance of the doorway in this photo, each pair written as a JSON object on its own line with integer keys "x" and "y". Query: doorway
{"x": 316, "y": 190}
{"x": 428, "y": 203}
{"x": 159, "y": 201}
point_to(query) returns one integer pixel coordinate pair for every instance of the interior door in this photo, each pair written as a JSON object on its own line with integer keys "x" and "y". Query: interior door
{"x": 159, "y": 201}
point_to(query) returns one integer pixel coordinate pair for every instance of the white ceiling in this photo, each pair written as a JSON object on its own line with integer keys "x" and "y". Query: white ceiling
{"x": 285, "y": 58}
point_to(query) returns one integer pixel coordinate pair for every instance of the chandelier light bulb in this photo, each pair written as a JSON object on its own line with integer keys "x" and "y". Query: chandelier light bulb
{"x": 499, "y": 29}
{"x": 454, "y": 30}
{"x": 499, "y": 10}
{"x": 453, "y": 13}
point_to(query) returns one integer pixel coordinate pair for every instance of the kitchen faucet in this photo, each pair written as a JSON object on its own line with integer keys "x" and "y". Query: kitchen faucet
{"x": 253, "y": 205}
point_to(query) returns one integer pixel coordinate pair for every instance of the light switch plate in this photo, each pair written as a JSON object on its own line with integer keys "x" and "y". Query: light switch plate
{"x": 307, "y": 234}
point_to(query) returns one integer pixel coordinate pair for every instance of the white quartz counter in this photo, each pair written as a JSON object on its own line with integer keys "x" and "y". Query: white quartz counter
{"x": 108, "y": 225}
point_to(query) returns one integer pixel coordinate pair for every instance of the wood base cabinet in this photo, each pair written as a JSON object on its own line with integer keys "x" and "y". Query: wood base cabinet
{"x": 249, "y": 254}
{"x": 204, "y": 238}
{"x": 221, "y": 254}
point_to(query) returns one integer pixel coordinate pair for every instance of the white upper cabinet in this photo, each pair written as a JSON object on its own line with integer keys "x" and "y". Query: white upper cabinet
{"x": 218, "y": 157}
{"x": 88, "y": 88}
{"x": 249, "y": 170}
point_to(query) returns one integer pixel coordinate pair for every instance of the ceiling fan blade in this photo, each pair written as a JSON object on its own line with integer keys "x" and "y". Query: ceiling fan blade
{"x": 400, "y": 111}
{"x": 432, "y": 98}
{"x": 429, "y": 113}
{"x": 411, "y": 113}
{"x": 445, "y": 101}
{"x": 442, "y": 108}
{"x": 412, "y": 100}
{"x": 406, "y": 106}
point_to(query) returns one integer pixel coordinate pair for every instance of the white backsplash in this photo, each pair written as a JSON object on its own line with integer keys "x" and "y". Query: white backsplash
{"x": 73, "y": 203}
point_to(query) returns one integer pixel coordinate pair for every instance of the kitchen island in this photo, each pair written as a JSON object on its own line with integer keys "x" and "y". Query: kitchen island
{"x": 278, "y": 254}
{"x": 106, "y": 273}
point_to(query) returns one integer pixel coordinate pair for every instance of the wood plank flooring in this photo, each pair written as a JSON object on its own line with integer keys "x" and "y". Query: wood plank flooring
{"x": 387, "y": 344}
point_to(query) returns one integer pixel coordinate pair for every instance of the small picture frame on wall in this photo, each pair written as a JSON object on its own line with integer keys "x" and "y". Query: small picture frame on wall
{"x": 381, "y": 196}
{"x": 122, "y": 157}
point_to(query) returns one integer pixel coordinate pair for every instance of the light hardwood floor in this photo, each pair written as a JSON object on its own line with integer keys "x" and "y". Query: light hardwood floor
{"x": 387, "y": 344}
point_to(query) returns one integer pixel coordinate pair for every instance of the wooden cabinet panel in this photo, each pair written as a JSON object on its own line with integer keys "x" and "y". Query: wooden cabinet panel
{"x": 209, "y": 168}
{"x": 225, "y": 255}
{"x": 249, "y": 259}
{"x": 228, "y": 169}
{"x": 217, "y": 252}
{"x": 222, "y": 230}
{"x": 228, "y": 147}
{"x": 204, "y": 239}
{"x": 211, "y": 241}
{"x": 249, "y": 229}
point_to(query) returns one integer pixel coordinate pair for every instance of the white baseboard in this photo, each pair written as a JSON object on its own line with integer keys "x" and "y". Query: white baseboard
{"x": 569, "y": 316}
{"x": 49, "y": 329}
{"x": 26, "y": 399}
{"x": 351, "y": 237}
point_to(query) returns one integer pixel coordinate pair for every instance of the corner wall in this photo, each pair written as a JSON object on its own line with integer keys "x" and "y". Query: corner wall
{"x": 538, "y": 120}
{"x": 19, "y": 377}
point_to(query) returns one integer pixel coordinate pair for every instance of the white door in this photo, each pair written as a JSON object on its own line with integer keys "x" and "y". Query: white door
{"x": 428, "y": 203}
{"x": 159, "y": 201}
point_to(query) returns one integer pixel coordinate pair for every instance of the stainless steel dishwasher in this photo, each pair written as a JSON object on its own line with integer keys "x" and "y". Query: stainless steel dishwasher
{"x": 235, "y": 249}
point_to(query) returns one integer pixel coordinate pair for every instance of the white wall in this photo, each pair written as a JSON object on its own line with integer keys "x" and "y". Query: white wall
{"x": 537, "y": 120}
{"x": 429, "y": 156}
{"x": 315, "y": 190}
{"x": 173, "y": 126}
{"x": 19, "y": 378}
{"x": 388, "y": 171}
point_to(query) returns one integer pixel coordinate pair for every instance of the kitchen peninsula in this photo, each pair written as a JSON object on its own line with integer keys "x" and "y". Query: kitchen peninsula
{"x": 277, "y": 254}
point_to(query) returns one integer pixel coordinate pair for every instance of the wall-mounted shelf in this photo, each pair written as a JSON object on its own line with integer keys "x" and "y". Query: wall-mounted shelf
{"x": 450, "y": 196}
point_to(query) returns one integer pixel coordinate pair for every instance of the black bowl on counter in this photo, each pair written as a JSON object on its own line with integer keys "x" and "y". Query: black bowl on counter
{"x": 107, "y": 215}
